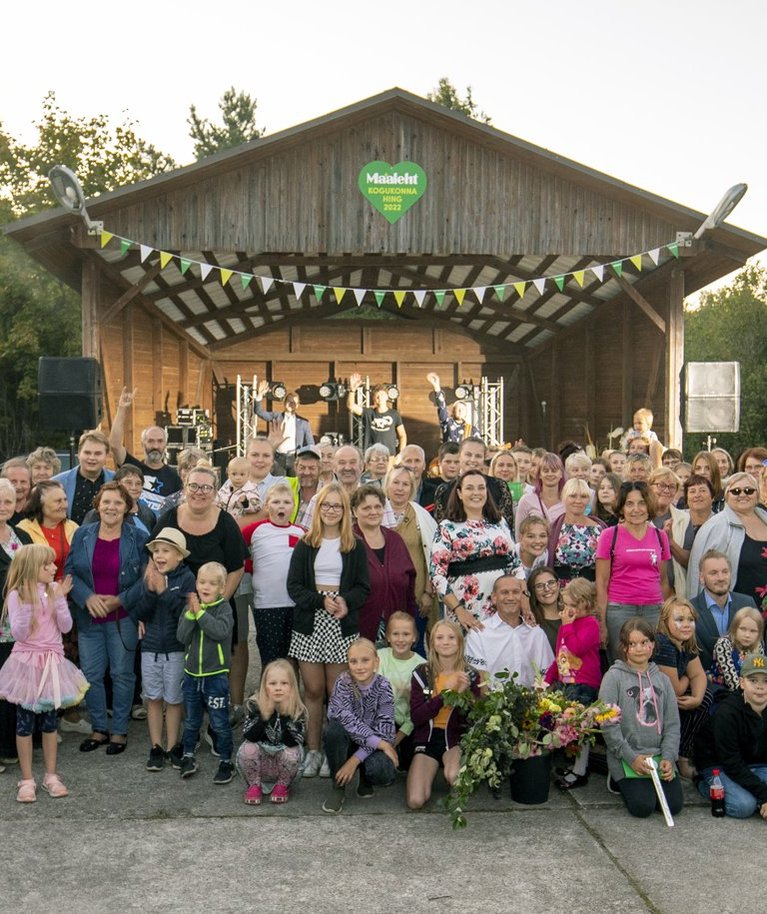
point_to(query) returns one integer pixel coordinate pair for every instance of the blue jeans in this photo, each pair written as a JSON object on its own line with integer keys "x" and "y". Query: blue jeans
{"x": 738, "y": 802}
{"x": 211, "y": 694}
{"x": 339, "y": 746}
{"x": 103, "y": 646}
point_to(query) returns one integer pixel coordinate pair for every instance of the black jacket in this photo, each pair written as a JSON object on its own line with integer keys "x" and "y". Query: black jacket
{"x": 161, "y": 612}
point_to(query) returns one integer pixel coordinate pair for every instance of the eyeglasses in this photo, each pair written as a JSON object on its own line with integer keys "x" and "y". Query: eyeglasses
{"x": 738, "y": 491}
{"x": 665, "y": 486}
{"x": 325, "y": 506}
{"x": 197, "y": 487}
{"x": 545, "y": 585}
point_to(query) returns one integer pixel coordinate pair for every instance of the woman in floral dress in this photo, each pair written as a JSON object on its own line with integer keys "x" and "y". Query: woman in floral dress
{"x": 573, "y": 538}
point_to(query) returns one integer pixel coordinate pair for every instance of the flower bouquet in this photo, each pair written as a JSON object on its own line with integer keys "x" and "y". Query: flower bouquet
{"x": 511, "y": 722}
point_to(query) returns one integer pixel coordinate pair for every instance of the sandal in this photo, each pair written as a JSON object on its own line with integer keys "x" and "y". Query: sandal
{"x": 53, "y": 787}
{"x": 253, "y": 795}
{"x": 280, "y": 794}
{"x": 27, "y": 792}
{"x": 91, "y": 744}
{"x": 115, "y": 748}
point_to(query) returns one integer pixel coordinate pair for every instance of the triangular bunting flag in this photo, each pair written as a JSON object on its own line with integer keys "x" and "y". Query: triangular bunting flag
{"x": 654, "y": 255}
{"x": 125, "y": 246}
{"x": 399, "y": 297}
{"x": 540, "y": 284}
{"x": 500, "y": 291}
{"x": 319, "y": 291}
{"x": 298, "y": 289}
{"x": 520, "y": 288}
{"x": 165, "y": 259}
{"x": 226, "y": 275}
{"x": 479, "y": 291}
{"x": 420, "y": 295}
{"x": 599, "y": 271}
{"x": 673, "y": 248}
{"x": 185, "y": 264}
{"x": 439, "y": 294}
{"x": 637, "y": 261}
{"x": 106, "y": 237}
{"x": 580, "y": 277}
{"x": 459, "y": 295}
{"x": 246, "y": 279}
{"x": 267, "y": 282}
{"x": 559, "y": 281}
{"x": 205, "y": 269}
{"x": 359, "y": 294}
{"x": 618, "y": 267}
{"x": 379, "y": 297}
{"x": 145, "y": 251}
{"x": 339, "y": 294}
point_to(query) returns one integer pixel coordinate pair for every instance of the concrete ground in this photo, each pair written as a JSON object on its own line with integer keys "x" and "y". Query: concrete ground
{"x": 130, "y": 840}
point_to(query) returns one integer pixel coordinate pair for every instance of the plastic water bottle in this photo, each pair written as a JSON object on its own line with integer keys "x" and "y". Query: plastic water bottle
{"x": 716, "y": 792}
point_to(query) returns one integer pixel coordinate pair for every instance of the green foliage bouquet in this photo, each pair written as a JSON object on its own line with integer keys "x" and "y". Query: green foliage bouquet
{"x": 511, "y": 722}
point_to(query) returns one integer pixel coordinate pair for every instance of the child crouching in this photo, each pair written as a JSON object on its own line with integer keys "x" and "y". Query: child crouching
{"x": 274, "y": 732}
{"x": 205, "y": 629}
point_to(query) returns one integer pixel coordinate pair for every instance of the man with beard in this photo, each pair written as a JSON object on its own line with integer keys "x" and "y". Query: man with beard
{"x": 160, "y": 480}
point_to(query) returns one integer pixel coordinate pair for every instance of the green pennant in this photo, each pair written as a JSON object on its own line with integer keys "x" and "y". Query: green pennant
{"x": 246, "y": 279}
{"x": 319, "y": 291}
{"x": 559, "y": 282}
{"x": 185, "y": 264}
{"x": 379, "y": 297}
{"x": 618, "y": 267}
{"x": 673, "y": 248}
{"x": 125, "y": 246}
{"x": 439, "y": 294}
{"x": 500, "y": 291}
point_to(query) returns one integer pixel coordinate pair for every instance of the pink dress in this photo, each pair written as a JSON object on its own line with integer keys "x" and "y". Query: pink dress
{"x": 37, "y": 675}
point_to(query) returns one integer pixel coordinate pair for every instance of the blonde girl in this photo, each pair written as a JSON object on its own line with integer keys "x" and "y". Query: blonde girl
{"x": 274, "y": 733}
{"x": 744, "y": 636}
{"x": 438, "y": 727}
{"x": 37, "y": 677}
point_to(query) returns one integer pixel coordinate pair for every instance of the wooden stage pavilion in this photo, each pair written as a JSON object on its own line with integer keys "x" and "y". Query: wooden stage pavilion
{"x": 569, "y": 282}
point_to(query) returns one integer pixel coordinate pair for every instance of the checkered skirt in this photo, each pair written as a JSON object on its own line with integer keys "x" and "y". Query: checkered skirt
{"x": 326, "y": 644}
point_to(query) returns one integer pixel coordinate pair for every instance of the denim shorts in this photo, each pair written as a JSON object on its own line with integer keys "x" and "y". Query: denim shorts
{"x": 162, "y": 676}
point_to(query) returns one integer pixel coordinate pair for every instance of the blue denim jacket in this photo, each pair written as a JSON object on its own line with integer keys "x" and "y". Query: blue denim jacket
{"x": 79, "y": 564}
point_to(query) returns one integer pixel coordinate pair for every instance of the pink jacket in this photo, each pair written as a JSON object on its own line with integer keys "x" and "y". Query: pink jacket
{"x": 576, "y": 659}
{"x": 51, "y": 618}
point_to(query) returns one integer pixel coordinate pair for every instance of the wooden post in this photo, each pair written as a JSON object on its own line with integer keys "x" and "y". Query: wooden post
{"x": 90, "y": 294}
{"x": 555, "y": 418}
{"x": 674, "y": 358}
{"x": 627, "y": 358}
{"x": 590, "y": 381}
{"x": 127, "y": 345}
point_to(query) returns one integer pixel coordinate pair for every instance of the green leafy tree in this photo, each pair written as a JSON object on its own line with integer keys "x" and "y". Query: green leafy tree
{"x": 447, "y": 95}
{"x": 238, "y": 114}
{"x": 730, "y": 325}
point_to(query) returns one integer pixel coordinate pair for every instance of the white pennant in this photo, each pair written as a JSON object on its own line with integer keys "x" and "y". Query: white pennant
{"x": 598, "y": 271}
{"x": 266, "y": 283}
{"x": 419, "y": 296}
{"x": 205, "y": 269}
{"x": 145, "y": 251}
{"x": 654, "y": 255}
{"x": 359, "y": 294}
{"x": 540, "y": 284}
{"x": 298, "y": 289}
{"x": 479, "y": 291}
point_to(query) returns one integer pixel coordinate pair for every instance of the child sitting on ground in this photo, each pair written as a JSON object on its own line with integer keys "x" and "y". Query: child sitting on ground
{"x": 238, "y": 495}
{"x": 206, "y": 631}
{"x": 167, "y": 583}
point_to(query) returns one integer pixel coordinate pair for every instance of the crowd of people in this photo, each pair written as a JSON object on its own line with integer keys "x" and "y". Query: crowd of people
{"x": 378, "y": 581}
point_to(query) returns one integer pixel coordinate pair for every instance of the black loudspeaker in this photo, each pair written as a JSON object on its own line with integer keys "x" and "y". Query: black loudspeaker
{"x": 69, "y": 393}
{"x": 711, "y": 397}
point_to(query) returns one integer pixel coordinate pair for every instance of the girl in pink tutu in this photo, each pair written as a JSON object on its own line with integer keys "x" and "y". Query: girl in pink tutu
{"x": 37, "y": 678}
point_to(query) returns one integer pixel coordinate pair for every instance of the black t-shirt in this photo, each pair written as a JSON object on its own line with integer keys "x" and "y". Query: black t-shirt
{"x": 158, "y": 484}
{"x": 224, "y": 543}
{"x": 381, "y": 428}
{"x": 85, "y": 492}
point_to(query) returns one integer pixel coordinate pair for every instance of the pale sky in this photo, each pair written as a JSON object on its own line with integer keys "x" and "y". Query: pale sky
{"x": 668, "y": 96}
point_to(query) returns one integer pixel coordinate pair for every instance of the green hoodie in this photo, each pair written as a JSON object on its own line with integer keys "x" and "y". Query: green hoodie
{"x": 207, "y": 638}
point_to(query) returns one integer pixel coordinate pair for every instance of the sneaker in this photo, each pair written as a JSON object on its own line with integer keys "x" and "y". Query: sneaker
{"x": 236, "y": 715}
{"x": 188, "y": 766}
{"x": 364, "y": 789}
{"x": 9, "y": 760}
{"x": 334, "y": 802}
{"x": 156, "y": 761}
{"x": 75, "y": 726}
{"x": 175, "y": 755}
{"x": 224, "y": 774}
{"x": 325, "y": 768}
{"x": 253, "y": 795}
{"x": 138, "y": 712}
{"x": 611, "y": 788}
{"x": 210, "y": 739}
{"x": 312, "y": 763}
{"x": 27, "y": 792}
{"x": 53, "y": 787}
{"x": 280, "y": 794}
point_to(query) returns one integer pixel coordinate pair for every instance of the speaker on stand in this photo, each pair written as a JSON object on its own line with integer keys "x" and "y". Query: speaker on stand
{"x": 69, "y": 394}
{"x": 711, "y": 397}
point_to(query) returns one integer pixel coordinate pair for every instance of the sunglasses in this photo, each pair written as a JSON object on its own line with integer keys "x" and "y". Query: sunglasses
{"x": 736, "y": 490}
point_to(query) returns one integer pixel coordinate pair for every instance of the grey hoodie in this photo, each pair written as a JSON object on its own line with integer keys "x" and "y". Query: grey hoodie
{"x": 650, "y": 717}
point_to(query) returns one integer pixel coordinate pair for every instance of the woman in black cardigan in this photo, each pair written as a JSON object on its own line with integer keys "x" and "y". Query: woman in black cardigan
{"x": 328, "y": 581}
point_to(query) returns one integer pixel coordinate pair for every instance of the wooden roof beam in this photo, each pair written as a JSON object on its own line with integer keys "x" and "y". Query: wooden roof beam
{"x": 640, "y": 301}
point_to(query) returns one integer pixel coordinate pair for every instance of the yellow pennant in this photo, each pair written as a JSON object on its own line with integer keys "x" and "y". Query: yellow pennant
{"x": 580, "y": 277}
{"x": 637, "y": 261}
{"x": 106, "y": 237}
{"x": 459, "y": 295}
{"x": 226, "y": 275}
{"x": 519, "y": 288}
{"x": 165, "y": 259}
{"x": 399, "y": 297}
{"x": 339, "y": 293}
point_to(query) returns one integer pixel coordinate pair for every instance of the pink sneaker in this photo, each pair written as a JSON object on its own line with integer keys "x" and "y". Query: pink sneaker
{"x": 53, "y": 787}
{"x": 280, "y": 794}
{"x": 253, "y": 795}
{"x": 27, "y": 792}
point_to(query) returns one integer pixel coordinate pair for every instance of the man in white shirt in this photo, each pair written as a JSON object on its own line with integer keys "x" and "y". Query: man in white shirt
{"x": 505, "y": 641}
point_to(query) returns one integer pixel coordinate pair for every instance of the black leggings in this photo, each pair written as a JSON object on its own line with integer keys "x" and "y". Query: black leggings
{"x": 642, "y": 801}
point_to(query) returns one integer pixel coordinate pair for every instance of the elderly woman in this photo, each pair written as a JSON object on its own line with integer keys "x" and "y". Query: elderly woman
{"x": 43, "y": 464}
{"x": 11, "y": 539}
{"x": 17, "y": 471}
{"x": 107, "y": 561}
{"x": 132, "y": 479}
{"x": 212, "y": 535}
{"x": 472, "y": 547}
{"x": 752, "y": 461}
{"x": 574, "y": 535}
{"x": 376, "y": 464}
{"x": 546, "y": 498}
{"x": 664, "y": 485}
{"x": 740, "y": 531}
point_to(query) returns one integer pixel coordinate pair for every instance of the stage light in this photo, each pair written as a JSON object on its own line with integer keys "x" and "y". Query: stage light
{"x": 332, "y": 390}
{"x": 464, "y": 391}
{"x": 392, "y": 392}
{"x": 277, "y": 390}
{"x": 69, "y": 192}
